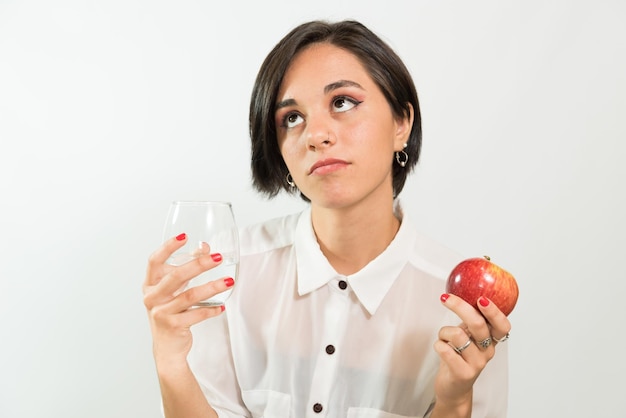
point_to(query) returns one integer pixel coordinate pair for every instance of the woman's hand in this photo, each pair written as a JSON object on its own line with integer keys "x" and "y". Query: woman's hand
{"x": 170, "y": 307}
{"x": 465, "y": 350}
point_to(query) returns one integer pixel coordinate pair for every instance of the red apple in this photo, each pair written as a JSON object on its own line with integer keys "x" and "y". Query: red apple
{"x": 476, "y": 277}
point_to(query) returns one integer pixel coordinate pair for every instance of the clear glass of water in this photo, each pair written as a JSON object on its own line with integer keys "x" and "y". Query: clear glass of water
{"x": 206, "y": 223}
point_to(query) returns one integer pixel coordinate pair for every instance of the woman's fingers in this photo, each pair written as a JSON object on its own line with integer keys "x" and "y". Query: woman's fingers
{"x": 172, "y": 309}
{"x": 482, "y": 325}
{"x": 157, "y": 259}
{"x": 500, "y": 324}
{"x": 170, "y": 323}
{"x": 473, "y": 321}
{"x": 194, "y": 295}
{"x": 460, "y": 355}
{"x": 171, "y": 332}
{"x": 466, "y": 349}
{"x": 177, "y": 277}
{"x": 456, "y": 337}
{"x": 464, "y": 345}
{"x": 180, "y": 275}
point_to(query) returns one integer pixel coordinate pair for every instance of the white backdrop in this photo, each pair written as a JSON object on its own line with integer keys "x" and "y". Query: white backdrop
{"x": 111, "y": 109}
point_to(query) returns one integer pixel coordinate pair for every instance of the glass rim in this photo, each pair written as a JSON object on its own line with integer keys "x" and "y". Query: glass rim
{"x": 201, "y": 203}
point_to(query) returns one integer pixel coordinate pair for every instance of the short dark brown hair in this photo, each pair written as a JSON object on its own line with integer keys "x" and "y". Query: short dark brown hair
{"x": 269, "y": 170}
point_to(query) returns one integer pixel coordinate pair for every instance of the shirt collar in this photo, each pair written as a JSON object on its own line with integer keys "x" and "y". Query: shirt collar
{"x": 371, "y": 283}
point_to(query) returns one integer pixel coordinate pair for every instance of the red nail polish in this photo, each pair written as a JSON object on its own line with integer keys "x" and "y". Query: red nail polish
{"x": 222, "y": 307}
{"x": 229, "y": 281}
{"x": 444, "y": 297}
{"x": 483, "y": 301}
{"x": 216, "y": 257}
{"x": 181, "y": 237}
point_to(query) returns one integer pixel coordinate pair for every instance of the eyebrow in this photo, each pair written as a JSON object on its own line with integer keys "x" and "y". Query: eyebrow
{"x": 327, "y": 89}
{"x": 285, "y": 103}
{"x": 341, "y": 83}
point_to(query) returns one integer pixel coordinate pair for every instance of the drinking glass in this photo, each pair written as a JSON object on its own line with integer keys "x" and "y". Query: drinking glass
{"x": 205, "y": 223}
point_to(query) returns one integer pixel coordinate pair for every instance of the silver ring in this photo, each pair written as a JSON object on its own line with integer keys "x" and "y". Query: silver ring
{"x": 503, "y": 339}
{"x": 463, "y": 347}
{"x": 485, "y": 343}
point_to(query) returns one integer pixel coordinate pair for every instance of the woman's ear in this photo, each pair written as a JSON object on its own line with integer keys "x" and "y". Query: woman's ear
{"x": 403, "y": 129}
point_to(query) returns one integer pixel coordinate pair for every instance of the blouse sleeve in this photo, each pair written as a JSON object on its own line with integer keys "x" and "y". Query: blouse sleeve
{"x": 211, "y": 361}
{"x": 491, "y": 389}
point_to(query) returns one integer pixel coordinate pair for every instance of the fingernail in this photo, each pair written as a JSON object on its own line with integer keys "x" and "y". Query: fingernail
{"x": 222, "y": 307}
{"x": 181, "y": 237}
{"x": 216, "y": 257}
{"x": 483, "y": 301}
{"x": 229, "y": 281}
{"x": 444, "y": 297}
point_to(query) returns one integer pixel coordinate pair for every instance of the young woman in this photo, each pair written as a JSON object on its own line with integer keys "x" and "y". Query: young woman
{"x": 337, "y": 311}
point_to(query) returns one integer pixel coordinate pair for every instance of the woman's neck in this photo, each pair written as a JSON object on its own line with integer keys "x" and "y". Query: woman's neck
{"x": 352, "y": 237}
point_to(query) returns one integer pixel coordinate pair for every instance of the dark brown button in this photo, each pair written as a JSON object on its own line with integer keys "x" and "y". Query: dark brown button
{"x": 330, "y": 349}
{"x": 317, "y": 408}
{"x": 343, "y": 284}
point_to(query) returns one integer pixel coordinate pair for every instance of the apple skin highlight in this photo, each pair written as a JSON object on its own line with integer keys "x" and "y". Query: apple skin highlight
{"x": 479, "y": 276}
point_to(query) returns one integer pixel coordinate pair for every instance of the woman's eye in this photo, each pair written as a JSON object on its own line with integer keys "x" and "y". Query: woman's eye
{"x": 291, "y": 120}
{"x": 343, "y": 104}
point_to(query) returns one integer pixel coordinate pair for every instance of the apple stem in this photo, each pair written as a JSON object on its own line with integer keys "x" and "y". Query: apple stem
{"x": 487, "y": 257}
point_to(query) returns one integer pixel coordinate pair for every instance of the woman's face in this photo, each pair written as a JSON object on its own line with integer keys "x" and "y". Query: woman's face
{"x": 335, "y": 129}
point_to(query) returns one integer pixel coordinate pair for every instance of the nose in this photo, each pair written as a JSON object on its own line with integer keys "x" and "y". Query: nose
{"x": 319, "y": 134}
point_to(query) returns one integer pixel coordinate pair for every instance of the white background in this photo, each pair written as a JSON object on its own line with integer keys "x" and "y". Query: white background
{"x": 111, "y": 109}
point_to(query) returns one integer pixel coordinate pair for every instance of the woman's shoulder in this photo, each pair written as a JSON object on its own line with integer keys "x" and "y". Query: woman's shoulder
{"x": 431, "y": 255}
{"x": 268, "y": 235}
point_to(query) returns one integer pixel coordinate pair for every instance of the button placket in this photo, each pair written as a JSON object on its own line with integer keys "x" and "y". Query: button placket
{"x": 327, "y": 363}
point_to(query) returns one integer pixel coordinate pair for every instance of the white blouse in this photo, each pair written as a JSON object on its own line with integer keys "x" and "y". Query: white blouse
{"x": 299, "y": 340}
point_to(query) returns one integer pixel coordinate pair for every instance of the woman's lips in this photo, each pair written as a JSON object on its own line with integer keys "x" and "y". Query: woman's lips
{"x": 327, "y": 166}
